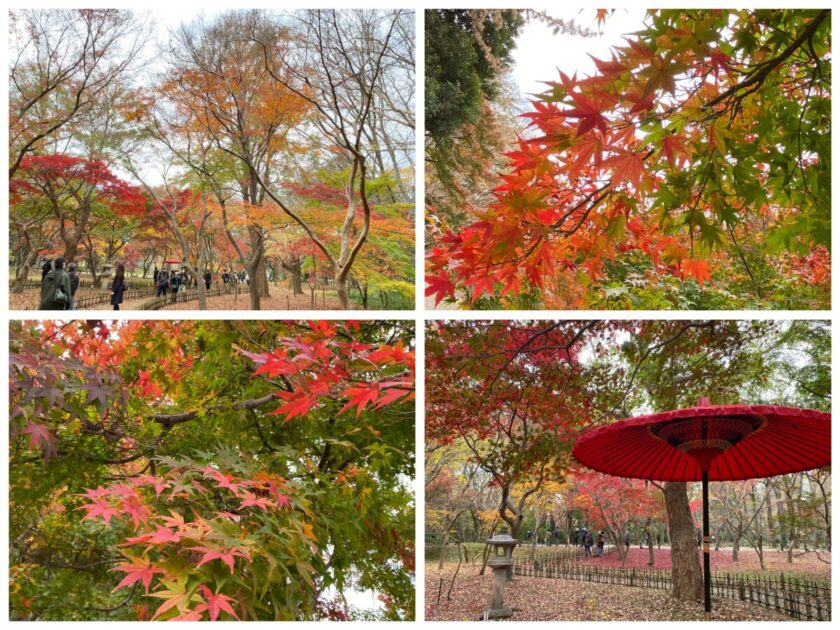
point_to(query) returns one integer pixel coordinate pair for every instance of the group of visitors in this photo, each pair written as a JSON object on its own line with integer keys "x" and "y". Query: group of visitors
{"x": 235, "y": 277}
{"x": 588, "y": 542}
{"x": 59, "y": 287}
{"x": 172, "y": 281}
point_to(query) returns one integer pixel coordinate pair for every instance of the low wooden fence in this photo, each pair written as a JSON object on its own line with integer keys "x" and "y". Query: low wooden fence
{"x": 797, "y": 598}
{"x": 191, "y": 294}
{"x": 86, "y": 283}
{"x": 83, "y": 303}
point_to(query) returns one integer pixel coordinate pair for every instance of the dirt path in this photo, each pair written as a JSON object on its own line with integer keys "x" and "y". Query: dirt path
{"x": 281, "y": 299}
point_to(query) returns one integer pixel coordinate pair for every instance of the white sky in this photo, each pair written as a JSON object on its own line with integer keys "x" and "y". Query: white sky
{"x": 539, "y": 53}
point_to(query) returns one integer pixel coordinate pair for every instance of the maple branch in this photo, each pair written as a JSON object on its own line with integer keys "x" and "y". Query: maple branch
{"x": 657, "y": 346}
{"x": 171, "y": 419}
{"x": 757, "y": 287}
{"x": 759, "y": 74}
{"x": 523, "y": 348}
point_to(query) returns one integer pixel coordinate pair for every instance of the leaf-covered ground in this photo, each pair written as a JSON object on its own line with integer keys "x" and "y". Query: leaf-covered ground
{"x": 546, "y": 599}
{"x": 281, "y": 299}
{"x": 774, "y": 561}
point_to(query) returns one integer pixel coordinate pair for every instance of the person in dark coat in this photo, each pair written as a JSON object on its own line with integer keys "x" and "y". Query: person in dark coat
{"x": 74, "y": 285}
{"x": 599, "y": 543}
{"x": 587, "y": 542}
{"x": 162, "y": 283}
{"x": 54, "y": 285}
{"x": 155, "y": 275}
{"x": 118, "y": 287}
{"x": 45, "y": 269}
{"x": 174, "y": 285}
{"x": 207, "y": 278}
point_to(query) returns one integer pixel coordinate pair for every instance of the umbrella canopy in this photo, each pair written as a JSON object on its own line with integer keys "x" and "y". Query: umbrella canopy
{"x": 732, "y": 441}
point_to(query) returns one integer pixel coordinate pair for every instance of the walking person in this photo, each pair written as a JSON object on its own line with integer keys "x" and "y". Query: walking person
{"x": 600, "y": 543}
{"x": 207, "y": 278}
{"x": 174, "y": 285}
{"x": 587, "y": 543}
{"x": 162, "y": 283}
{"x": 118, "y": 287}
{"x": 74, "y": 285}
{"x": 55, "y": 288}
{"x": 45, "y": 269}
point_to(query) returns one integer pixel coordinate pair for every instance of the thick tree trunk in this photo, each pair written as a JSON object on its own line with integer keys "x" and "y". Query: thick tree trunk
{"x": 341, "y": 289}
{"x": 23, "y": 276}
{"x": 297, "y": 281}
{"x": 687, "y": 576}
{"x": 262, "y": 279}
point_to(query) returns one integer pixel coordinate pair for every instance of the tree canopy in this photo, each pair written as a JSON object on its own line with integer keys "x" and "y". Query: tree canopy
{"x": 211, "y": 469}
{"x": 691, "y": 170}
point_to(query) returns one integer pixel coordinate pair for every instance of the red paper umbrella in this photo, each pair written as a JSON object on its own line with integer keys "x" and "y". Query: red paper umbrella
{"x": 703, "y": 443}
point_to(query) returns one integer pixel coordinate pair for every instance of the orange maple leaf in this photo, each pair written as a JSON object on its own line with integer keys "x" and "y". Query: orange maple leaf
{"x": 698, "y": 269}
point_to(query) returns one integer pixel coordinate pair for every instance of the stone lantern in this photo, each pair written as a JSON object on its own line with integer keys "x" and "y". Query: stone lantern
{"x": 502, "y": 563}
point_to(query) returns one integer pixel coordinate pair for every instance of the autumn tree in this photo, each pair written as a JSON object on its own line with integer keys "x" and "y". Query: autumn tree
{"x": 221, "y": 115}
{"x": 486, "y": 387}
{"x": 62, "y": 62}
{"x": 617, "y": 505}
{"x": 78, "y": 193}
{"x": 339, "y": 71}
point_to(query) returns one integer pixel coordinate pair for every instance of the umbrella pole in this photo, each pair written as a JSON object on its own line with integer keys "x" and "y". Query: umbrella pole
{"x": 707, "y": 569}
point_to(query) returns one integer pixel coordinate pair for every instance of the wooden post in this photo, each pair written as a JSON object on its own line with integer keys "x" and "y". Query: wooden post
{"x": 707, "y": 568}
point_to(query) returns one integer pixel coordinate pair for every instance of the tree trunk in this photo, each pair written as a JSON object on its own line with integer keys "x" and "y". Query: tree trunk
{"x": 735, "y": 544}
{"x": 341, "y": 289}
{"x": 255, "y": 264}
{"x": 20, "y": 281}
{"x": 649, "y": 540}
{"x": 262, "y": 279}
{"x": 297, "y": 282}
{"x": 687, "y": 576}
{"x": 199, "y": 284}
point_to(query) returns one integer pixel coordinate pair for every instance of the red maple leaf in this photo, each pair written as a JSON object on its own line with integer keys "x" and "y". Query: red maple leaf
{"x": 133, "y": 507}
{"x": 100, "y": 507}
{"x": 41, "y": 437}
{"x": 216, "y": 603}
{"x": 252, "y": 499}
{"x": 227, "y": 556}
{"x": 439, "y": 286}
{"x": 626, "y": 166}
{"x": 298, "y": 403}
{"x": 674, "y": 149}
{"x": 138, "y": 570}
{"x": 360, "y": 396}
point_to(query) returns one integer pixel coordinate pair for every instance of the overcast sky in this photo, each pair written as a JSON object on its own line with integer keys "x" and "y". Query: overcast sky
{"x": 539, "y": 53}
